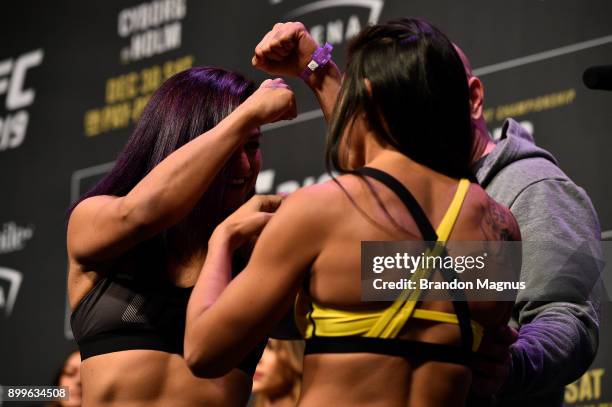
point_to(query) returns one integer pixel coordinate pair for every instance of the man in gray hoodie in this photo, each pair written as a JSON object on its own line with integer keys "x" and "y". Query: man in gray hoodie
{"x": 557, "y": 339}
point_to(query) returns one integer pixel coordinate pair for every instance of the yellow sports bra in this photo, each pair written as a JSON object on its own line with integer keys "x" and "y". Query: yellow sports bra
{"x": 329, "y": 330}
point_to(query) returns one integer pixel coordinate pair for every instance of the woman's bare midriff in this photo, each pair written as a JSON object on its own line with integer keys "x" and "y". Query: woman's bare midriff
{"x": 371, "y": 380}
{"x": 150, "y": 378}
{"x": 138, "y": 377}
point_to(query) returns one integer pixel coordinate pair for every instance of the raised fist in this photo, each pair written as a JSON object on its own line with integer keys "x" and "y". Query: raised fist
{"x": 273, "y": 101}
{"x": 285, "y": 50}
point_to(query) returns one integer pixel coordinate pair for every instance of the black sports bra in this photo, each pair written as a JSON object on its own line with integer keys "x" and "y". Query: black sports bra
{"x": 139, "y": 310}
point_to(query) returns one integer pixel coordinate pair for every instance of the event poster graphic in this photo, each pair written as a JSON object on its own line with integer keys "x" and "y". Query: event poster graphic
{"x": 75, "y": 76}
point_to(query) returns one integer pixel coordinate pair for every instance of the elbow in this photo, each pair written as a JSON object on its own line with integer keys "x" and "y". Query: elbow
{"x": 205, "y": 368}
{"x": 591, "y": 341}
{"x": 197, "y": 365}
{"x": 203, "y": 363}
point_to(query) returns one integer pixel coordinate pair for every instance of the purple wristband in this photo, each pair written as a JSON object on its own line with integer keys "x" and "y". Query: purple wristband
{"x": 320, "y": 58}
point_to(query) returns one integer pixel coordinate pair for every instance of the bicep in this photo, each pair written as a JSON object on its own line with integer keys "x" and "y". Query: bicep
{"x": 280, "y": 261}
{"x": 99, "y": 230}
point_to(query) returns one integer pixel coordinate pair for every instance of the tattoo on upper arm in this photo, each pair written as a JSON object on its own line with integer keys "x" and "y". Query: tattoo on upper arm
{"x": 498, "y": 223}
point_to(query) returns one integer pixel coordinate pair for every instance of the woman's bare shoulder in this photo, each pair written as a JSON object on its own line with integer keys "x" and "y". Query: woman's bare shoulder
{"x": 329, "y": 196}
{"x": 495, "y": 220}
{"x": 89, "y": 208}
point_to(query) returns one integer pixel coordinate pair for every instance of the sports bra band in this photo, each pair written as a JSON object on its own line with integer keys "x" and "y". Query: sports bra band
{"x": 414, "y": 350}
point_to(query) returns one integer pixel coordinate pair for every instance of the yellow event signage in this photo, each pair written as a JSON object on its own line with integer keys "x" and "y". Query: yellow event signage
{"x": 126, "y": 96}
{"x": 586, "y": 391}
{"x": 533, "y": 105}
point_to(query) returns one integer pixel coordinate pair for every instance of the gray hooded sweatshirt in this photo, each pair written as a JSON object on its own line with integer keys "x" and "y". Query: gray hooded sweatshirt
{"x": 558, "y": 334}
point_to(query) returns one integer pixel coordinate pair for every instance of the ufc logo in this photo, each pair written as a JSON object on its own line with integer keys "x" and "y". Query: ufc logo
{"x": 13, "y": 126}
{"x": 16, "y": 96}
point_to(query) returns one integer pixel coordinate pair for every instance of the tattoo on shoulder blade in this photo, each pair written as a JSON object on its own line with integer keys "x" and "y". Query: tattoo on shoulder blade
{"x": 498, "y": 223}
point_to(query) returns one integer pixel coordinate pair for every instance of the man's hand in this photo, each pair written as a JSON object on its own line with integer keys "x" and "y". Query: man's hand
{"x": 285, "y": 50}
{"x": 493, "y": 361}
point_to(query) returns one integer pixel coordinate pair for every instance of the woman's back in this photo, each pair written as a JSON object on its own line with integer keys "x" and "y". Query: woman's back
{"x": 370, "y": 379}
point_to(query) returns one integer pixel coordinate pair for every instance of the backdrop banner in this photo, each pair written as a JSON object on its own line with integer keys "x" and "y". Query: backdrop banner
{"x": 75, "y": 76}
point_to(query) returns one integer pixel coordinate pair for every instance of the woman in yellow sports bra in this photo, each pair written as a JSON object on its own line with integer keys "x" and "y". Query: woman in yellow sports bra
{"x": 400, "y": 138}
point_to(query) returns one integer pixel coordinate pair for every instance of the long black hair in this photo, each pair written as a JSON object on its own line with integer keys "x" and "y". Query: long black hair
{"x": 185, "y": 106}
{"x": 419, "y": 99}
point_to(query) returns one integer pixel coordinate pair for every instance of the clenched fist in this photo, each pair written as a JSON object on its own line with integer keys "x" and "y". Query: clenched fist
{"x": 285, "y": 50}
{"x": 273, "y": 101}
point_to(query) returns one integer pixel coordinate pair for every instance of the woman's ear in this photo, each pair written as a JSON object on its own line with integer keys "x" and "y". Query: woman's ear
{"x": 476, "y": 97}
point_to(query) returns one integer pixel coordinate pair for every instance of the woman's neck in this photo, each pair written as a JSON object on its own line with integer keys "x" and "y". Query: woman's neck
{"x": 389, "y": 158}
{"x": 407, "y": 170}
{"x": 376, "y": 152}
{"x": 382, "y": 155}
{"x": 372, "y": 147}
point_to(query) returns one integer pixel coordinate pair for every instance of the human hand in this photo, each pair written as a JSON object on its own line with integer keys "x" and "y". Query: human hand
{"x": 492, "y": 363}
{"x": 284, "y": 50}
{"x": 247, "y": 222}
{"x": 273, "y": 101}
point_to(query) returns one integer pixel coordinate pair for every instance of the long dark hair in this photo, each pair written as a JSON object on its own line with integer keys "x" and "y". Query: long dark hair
{"x": 185, "y": 106}
{"x": 419, "y": 101}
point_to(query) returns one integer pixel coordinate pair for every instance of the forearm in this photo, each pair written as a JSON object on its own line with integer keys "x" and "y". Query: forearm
{"x": 325, "y": 84}
{"x": 216, "y": 274}
{"x": 554, "y": 349}
{"x": 171, "y": 190}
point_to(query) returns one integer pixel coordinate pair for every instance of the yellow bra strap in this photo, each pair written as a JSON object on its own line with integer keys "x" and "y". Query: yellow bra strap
{"x": 394, "y": 318}
{"x": 452, "y": 213}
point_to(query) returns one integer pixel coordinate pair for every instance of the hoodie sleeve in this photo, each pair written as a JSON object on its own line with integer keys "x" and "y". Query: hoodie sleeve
{"x": 557, "y": 313}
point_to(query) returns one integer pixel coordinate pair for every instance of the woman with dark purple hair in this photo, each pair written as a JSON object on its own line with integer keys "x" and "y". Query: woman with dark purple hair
{"x": 138, "y": 239}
